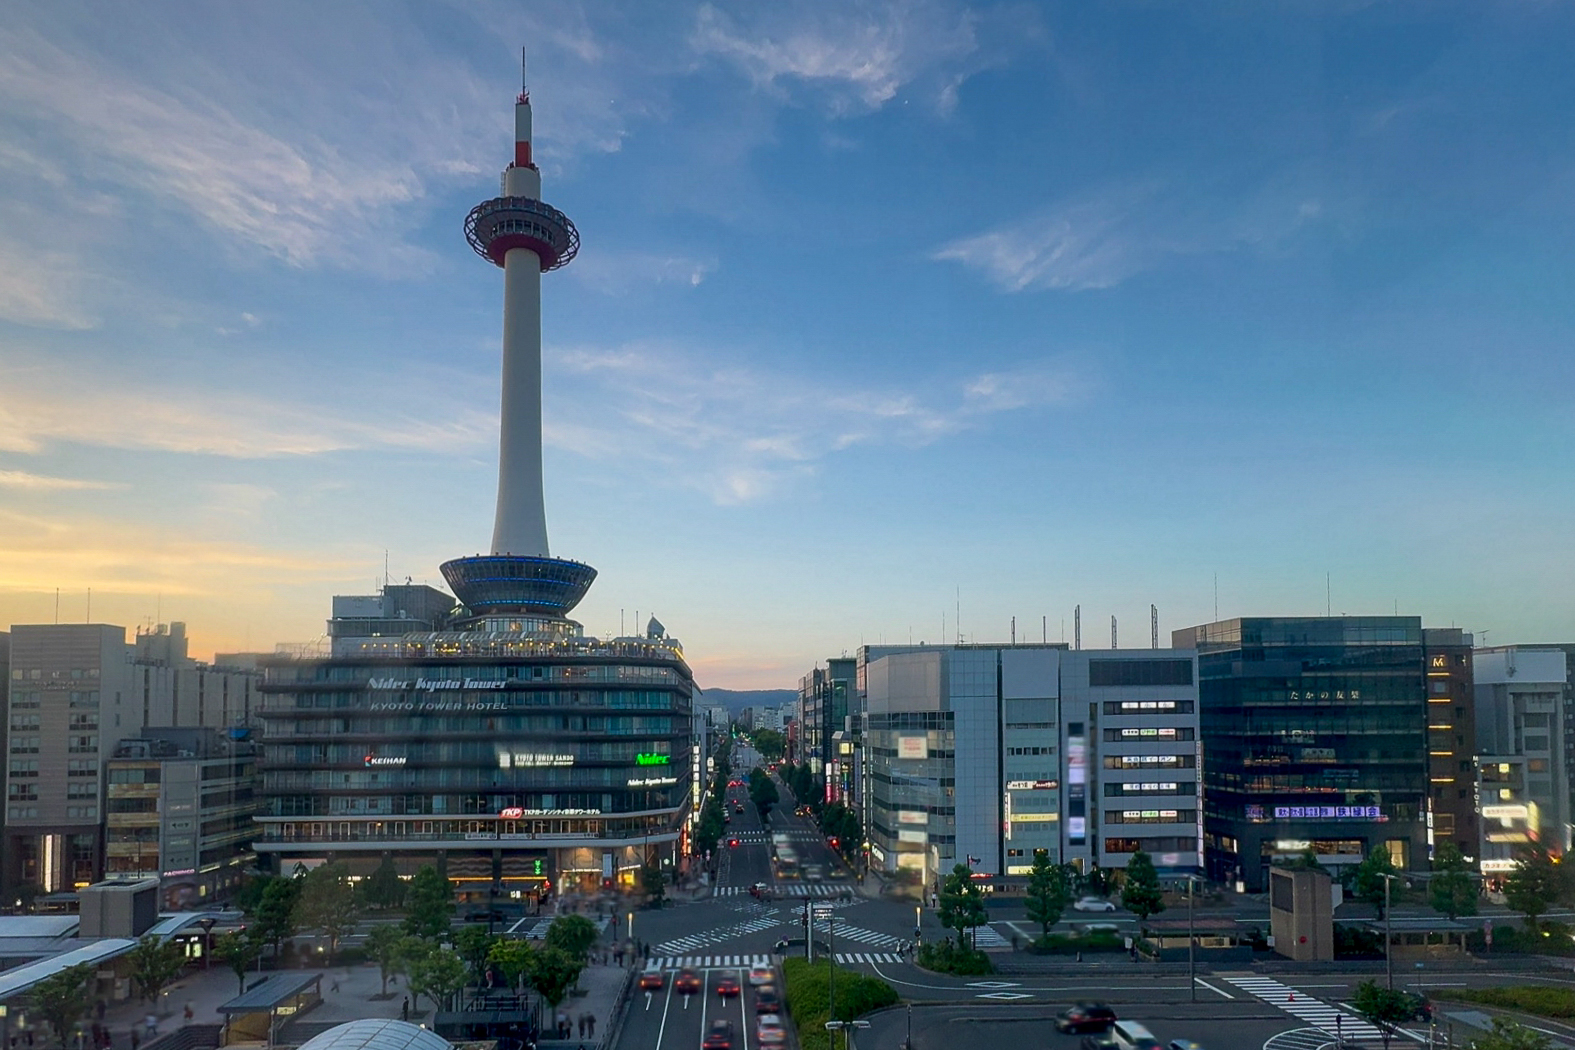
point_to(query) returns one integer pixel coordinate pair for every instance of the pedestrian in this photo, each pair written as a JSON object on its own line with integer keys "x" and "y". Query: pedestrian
{"x": 335, "y": 986}
{"x": 404, "y": 1009}
{"x": 151, "y": 1023}
{"x": 136, "y": 1038}
{"x": 1080, "y": 955}
{"x": 581, "y": 1021}
{"x": 590, "y": 1023}
{"x": 189, "y": 1013}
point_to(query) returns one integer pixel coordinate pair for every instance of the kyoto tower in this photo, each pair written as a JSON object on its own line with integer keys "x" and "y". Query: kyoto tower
{"x": 526, "y": 238}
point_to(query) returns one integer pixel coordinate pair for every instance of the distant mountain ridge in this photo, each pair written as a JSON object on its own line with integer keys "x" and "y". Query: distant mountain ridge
{"x": 735, "y": 700}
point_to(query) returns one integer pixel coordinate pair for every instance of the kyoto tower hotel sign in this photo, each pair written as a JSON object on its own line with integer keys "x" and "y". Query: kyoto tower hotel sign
{"x": 527, "y": 238}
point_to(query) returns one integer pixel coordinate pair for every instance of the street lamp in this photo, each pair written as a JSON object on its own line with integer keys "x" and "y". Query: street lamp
{"x": 1192, "y": 966}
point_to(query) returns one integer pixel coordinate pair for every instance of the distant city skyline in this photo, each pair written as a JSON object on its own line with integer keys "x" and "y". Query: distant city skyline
{"x": 882, "y": 313}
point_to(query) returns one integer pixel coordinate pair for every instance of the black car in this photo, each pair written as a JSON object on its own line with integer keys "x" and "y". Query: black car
{"x": 1085, "y": 1017}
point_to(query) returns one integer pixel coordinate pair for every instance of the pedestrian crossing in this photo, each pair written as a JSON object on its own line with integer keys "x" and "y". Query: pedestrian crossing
{"x": 988, "y": 936}
{"x": 708, "y": 962}
{"x": 539, "y": 928}
{"x": 694, "y": 941}
{"x": 792, "y": 889}
{"x": 1316, "y": 1012}
{"x": 868, "y": 958}
{"x": 843, "y": 932}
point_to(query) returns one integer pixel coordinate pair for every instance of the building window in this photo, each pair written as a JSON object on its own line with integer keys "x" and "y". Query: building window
{"x": 1150, "y": 761}
{"x": 1106, "y": 673}
{"x": 1146, "y": 707}
{"x": 1148, "y": 733}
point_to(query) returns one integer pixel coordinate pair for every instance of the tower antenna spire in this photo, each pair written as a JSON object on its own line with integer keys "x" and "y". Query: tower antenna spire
{"x": 524, "y": 79}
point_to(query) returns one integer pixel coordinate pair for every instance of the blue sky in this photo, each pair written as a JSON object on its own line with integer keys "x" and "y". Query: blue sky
{"x": 883, "y": 310}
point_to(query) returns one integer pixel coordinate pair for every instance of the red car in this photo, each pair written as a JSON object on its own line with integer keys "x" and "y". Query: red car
{"x": 686, "y": 983}
{"x": 727, "y": 985}
{"x": 732, "y": 843}
{"x": 650, "y": 980}
{"x": 720, "y": 1037}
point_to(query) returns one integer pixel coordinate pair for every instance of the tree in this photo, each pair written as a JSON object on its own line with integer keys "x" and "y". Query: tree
{"x": 437, "y": 974}
{"x": 238, "y": 949}
{"x": 62, "y": 999}
{"x": 384, "y": 888}
{"x": 762, "y": 791}
{"x": 1369, "y": 880}
{"x": 327, "y": 902}
{"x": 1307, "y": 861}
{"x": 1533, "y": 884}
{"x": 512, "y": 960}
{"x": 384, "y": 943}
{"x": 155, "y": 963}
{"x": 770, "y": 743}
{"x": 1098, "y": 882}
{"x": 1452, "y": 890}
{"x": 654, "y": 885}
{"x": 474, "y": 944}
{"x": 430, "y": 907}
{"x": 1140, "y": 893}
{"x": 962, "y": 902}
{"x": 1385, "y": 1008}
{"x": 274, "y": 916}
{"x": 572, "y": 934}
{"x": 1048, "y": 894}
{"x": 1507, "y": 1035}
{"x": 552, "y": 972}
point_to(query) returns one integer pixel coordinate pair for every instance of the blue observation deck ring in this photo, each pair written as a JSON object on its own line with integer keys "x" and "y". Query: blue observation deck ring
{"x": 495, "y": 227}
{"x": 507, "y": 583}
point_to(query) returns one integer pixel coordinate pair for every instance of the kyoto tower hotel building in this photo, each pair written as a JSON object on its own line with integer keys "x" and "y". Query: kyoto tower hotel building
{"x": 489, "y": 736}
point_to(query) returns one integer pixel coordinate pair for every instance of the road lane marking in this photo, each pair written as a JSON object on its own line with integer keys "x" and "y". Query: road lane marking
{"x": 663, "y": 1027}
{"x": 1211, "y": 988}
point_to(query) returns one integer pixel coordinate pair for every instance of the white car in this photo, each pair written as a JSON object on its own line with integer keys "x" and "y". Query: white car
{"x": 769, "y": 1031}
{"x": 759, "y": 975}
{"x": 1093, "y": 904}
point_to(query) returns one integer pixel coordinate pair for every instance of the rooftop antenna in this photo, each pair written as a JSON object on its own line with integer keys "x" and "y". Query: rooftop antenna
{"x": 1113, "y": 633}
{"x": 1153, "y": 626}
{"x": 1077, "y": 627}
{"x": 90, "y": 607}
{"x": 1014, "y": 630}
{"x": 1044, "y": 630}
{"x": 524, "y": 80}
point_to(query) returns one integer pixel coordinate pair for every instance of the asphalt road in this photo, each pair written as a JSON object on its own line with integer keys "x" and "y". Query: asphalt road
{"x": 665, "y": 1020}
{"x": 973, "y": 1028}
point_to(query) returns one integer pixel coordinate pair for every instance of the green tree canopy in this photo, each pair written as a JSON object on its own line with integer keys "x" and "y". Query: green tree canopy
{"x": 1453, "y": 889}
{"x": 511, "y": 959}
{"x": 238, "y": 949}
{"x": 653, "y": 884}
{"x": 429, "y": 905}
{"x": 1140, "y": 892}
{"x": 154, "y": 964}
{"x": 384, "y": 944}
{"x": 1049, "y": 892}
{"x": 62, "y": 999}
{"x": 962, "y": 902}
{"x": 1533, "y": 885}
{"x": 552, "y": 972}
{"x": 572, "y": 934}
{"x": 1369, "y": 879}
{"x": 770, "y": 743}
{"x": 474, "y": 943}
{"x": 762, "y": 791}
{"x": 274, "y": 916}
{"x": 384, "y": 888}
{"x": 327, "y": 903}
{"x": 438, "y": 974}
{"x": 1385, "y": 1008}
{"x": 1507, "y": 1035}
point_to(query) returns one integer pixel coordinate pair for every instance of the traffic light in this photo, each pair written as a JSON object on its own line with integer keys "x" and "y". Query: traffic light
{"x": 538, "y": 866}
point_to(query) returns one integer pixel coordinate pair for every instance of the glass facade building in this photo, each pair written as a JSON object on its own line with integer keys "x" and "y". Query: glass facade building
{"x": 1315, "y": 736}
{"x": 514, "y": 760}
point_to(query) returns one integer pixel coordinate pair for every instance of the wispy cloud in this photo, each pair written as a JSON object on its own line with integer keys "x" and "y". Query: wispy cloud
{"x": 615, "y": 272}
{"x": 21, "y": 479}
{"x": 861, "y": 55}
{"x": 1101, "y": 240}
{"x": 40, "y": 407}
{"x": 741, "y": 435}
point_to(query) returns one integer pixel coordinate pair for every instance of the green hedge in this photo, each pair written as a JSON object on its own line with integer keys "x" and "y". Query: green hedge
{"x": 1541, "y": 1000}
{"x": 807, "y": 991}
{"x": 1552, "y": 938}
{"x": 1065, "y": 944}
{"x": 948, "y": 956}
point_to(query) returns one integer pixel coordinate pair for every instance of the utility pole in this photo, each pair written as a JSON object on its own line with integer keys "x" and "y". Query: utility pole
{"x": 1192, "y": 966}
{"x": 809, "y": 933}
{"x": 1389, "y": 943}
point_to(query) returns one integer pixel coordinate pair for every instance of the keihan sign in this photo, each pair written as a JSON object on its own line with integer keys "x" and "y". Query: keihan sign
{"x": 648, "y": 759}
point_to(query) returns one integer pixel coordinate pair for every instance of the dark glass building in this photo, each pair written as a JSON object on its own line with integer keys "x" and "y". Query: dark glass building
{"x": 1315, "y": 736}
{"x": 514, "y": 760}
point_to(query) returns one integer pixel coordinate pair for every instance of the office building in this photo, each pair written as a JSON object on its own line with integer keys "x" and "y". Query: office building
{"x": 1520, "y": 725}
{"x": 179, "y": 807}
{"x": 823, "y": 696}
{"x": 487, "y": 736}
{"x": 1314, "y": 737}
{"x": 77, "y": 690}
{"x": 987, "y": 755}
{"x": 1451, "y": 740}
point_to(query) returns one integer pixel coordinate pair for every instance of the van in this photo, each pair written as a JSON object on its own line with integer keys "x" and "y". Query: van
{"x": 1129, "y": 1035}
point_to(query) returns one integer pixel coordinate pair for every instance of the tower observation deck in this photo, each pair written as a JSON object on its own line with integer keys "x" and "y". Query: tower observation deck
{"x": 526, "y": 237}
